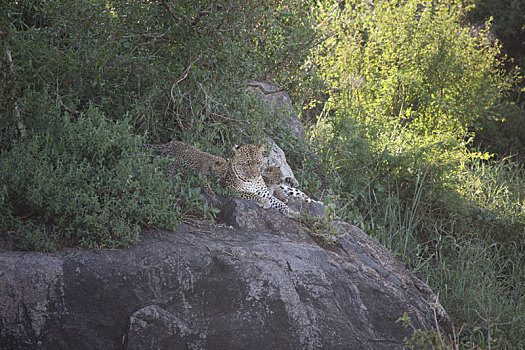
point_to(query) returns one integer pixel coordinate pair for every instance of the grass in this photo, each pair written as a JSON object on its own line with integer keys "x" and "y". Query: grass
{"x": 471, "y": 253}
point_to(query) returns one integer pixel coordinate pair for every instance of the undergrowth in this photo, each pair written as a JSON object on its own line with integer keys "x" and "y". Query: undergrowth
{"x": 394, "y": 131}
{"x": 93, "y": 80}
{"x": 68, "y": 183}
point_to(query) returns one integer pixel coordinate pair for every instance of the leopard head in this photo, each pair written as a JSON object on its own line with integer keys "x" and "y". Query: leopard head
{"x": 272, "y": 175}
{"x": 247, "y": 161}
{"x": 220, "y": 168}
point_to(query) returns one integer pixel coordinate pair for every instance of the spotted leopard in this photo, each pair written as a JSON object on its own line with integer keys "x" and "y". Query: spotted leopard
{"x": 273, "y": 178}
{"x": 191, "y": 158}
{"x": 244, "y": 177}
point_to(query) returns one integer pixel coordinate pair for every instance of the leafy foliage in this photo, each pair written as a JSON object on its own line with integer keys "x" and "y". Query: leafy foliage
{"x": 403, "y": 84}
{"x": 409, "y": 64}
{"x": 177, "y": 69}
{"x": 506, "y": 134}
{"x": 508, "y": 18}
{"x": 170, "y": 70}
{"x": 84, "y": 179}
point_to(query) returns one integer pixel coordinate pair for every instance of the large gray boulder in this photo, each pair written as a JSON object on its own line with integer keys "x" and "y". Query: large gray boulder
{"x": 278, "y": 101}
{"x": 257, "y": 280}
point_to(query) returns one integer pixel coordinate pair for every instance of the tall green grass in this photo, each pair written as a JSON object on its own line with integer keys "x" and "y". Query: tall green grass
{"x": 471, "y": 253}
{"x": 403, "y": 85}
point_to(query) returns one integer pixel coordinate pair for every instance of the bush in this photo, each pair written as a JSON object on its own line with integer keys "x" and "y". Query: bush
{"x": 170, "y": 70}
{"x": 406, "y": 82}
{"x": 505, "y": 135}
{"x": 84, "y": 180}
{"x": 509, "y": 20}
{"x": 404, "y": 85}
{"x": 407, "y": 63}
{"x": 177, "y": 69}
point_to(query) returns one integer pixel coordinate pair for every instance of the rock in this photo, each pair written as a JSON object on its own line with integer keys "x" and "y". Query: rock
{"x": 249, "y": 216}
{"x": 279, "y": 102}
{"x": 261, "y": 284}
{"x": 277, "y": 158}
{"x": 314, "y": 209}
{"x": 155, "y": 328}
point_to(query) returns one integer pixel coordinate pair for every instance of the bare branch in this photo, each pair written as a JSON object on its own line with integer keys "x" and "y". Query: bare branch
{"x": 507, "y": 323}
{"x": 59, "y": 99}
{"x": 18, "y": 115}
{"x": 264, "y": 91}
{"x": 177, "y": 16}
{"x": 175, "y": 85}
{"x": 201, "y": 13}
{"x": 144, "y": 35}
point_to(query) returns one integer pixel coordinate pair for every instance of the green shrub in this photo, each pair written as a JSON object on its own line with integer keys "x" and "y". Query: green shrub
{"x": 177, "y": 69}
{"x": 173, "y": 70}
{"x": 6, "y": 214}
{"x": 85, "y": 180}
{"x": 403, "y": 86}
{"x": 406, "y": 82}
{"x": 506, "y": 134}
{"x": 407, "y": 63}
{"x": 508, "y": 18}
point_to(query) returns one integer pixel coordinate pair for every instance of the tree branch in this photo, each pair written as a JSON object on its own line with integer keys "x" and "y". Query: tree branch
{"x": 177, "y": 16}
{"x": 201, "y": 13}
{"x": 264, "y": 91}
{"x": 18, "y": 115}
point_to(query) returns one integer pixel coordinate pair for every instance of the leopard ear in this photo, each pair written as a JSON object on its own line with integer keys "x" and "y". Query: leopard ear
{"x": 235, "y": 149}
{"x": 262, "y": 148}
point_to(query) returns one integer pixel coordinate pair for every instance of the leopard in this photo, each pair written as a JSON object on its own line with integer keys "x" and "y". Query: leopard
{"x": 273, "y": 178}
{"x": 191, "y": 158}
{"x": 244, "y": 177}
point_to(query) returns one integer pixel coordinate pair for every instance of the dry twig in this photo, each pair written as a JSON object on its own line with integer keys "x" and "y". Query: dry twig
{"x": 264, "y": 91}
{"x": 18, "y": 115}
